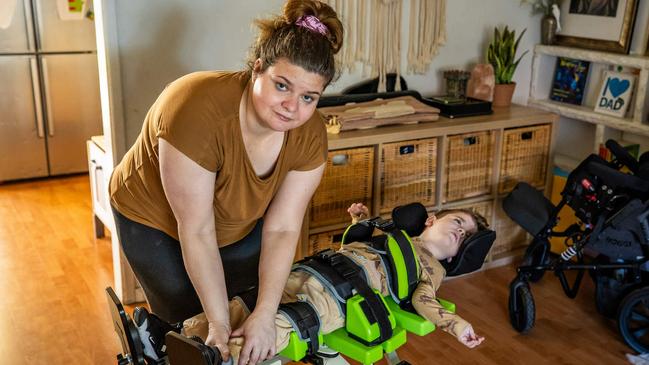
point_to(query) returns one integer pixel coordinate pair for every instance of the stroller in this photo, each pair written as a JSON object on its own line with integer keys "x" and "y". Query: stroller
{"x": 611, "y": 241}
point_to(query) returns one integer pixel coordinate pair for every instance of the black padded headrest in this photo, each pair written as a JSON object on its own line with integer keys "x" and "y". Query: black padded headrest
{"x": 410, "y": 218}
{"x": 471, "y": 254}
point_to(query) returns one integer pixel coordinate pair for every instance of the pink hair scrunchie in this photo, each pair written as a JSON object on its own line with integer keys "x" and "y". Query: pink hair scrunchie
{"x": 312, "y": 23}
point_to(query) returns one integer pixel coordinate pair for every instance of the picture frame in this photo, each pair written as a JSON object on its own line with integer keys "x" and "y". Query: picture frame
{"x": 615, "y": 94}
{"x": 604, "y": 25}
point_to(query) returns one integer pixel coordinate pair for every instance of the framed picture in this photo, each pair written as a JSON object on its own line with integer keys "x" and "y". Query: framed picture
{"x": 569, "y": 80}
{"x": 604, "y": 25}
{"x": 615, "y": 94}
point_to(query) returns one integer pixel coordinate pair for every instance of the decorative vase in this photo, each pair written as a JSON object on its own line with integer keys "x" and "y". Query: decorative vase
{"x": 548, "y": 29}
{"x": 503, "y": 95}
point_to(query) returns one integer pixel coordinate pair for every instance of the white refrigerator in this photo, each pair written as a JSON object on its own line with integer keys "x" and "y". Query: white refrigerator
{"x": 49, "y": 87}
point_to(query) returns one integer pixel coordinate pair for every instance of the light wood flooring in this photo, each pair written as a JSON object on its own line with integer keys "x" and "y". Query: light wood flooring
{"x": 53, "y": 308}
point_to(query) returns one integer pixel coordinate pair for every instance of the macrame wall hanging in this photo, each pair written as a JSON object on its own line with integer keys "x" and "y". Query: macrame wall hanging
{"x": 373, "y": 35}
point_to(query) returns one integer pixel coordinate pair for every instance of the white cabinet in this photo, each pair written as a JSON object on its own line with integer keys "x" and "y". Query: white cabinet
{"x": 99, "y": 175}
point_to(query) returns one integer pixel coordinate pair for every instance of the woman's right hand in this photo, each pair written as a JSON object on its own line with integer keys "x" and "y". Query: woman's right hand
{"x": 218, "y": 336}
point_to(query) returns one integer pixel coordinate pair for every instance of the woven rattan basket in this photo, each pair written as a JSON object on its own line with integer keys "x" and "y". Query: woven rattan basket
{"x": 347, "y": 179}
{"x": 324, "y": 240}
{"x": 408, "y": 173}
{"x": 469, "y": 165}
{"x": 524, "y": 157}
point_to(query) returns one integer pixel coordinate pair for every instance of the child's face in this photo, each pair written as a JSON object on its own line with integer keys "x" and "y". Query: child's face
{"x": 443, "y": 236}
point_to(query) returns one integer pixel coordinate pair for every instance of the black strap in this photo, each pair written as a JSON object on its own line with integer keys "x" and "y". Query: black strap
{"x": 375, "y": 310}
{"x": 340, "y": 285}
{"x": 306, "y": 319}
{"x": 409, "y": 258}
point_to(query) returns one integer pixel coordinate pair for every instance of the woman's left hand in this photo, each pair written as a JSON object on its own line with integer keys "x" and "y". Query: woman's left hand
{"x": 259, "y": 335}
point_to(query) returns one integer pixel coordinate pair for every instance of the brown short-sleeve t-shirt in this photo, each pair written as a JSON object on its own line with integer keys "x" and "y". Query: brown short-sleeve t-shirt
{"x": 199, "y": 115}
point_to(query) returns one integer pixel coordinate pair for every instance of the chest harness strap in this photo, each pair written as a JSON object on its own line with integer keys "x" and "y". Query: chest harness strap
{"x": 402, "y": 266}
{"x": 342, "y": 277}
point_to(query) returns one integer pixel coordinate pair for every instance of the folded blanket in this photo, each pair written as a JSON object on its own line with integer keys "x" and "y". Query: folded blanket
{"x": 401, "y": 110}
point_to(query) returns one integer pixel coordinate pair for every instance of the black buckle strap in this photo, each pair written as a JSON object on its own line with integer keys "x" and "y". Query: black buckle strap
{"x": 342, "y": 287}
{"x": 305, "y": 318}
{"x": 375, "y": 310}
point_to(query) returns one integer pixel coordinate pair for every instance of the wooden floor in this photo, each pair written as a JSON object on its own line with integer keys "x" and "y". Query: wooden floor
{"x": 53, "y": 310}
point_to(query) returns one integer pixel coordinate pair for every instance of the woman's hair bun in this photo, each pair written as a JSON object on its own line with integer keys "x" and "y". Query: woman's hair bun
{"x": 294, "y": 9}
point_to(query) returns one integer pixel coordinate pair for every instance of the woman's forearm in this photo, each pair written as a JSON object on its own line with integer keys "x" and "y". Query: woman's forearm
{"x": 205, "y": 269}
{"x": 277, "y": 254}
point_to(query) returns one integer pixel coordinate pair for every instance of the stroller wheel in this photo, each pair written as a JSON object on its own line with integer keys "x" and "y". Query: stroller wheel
{"x": 536, "y": 255}
{"x": 521, "y": 306}
{"x": 633, "y": 320}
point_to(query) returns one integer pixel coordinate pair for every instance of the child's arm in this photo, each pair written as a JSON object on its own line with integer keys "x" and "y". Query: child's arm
{"x": 357, "y": 211}
{"x": 424, "y": 300}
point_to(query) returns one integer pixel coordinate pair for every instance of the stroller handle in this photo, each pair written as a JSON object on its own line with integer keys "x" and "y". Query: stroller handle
{"x": 622, "y": 155}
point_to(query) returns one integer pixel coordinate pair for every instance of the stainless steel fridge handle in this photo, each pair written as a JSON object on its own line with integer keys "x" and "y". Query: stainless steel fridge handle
{"x": 37, "y": 97}
{"x": 48, "y": 101}
{"x": 29, "y": 25}
{"x": 39, "y": 22}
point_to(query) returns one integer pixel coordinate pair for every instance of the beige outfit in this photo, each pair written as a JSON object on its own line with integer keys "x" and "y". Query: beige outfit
{"x": 302, "y": 286}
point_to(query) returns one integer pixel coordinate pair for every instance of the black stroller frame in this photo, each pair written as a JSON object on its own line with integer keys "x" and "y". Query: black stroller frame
{"x": 611, "y": 242}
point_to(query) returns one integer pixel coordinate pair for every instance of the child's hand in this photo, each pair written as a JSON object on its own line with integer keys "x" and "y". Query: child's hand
{"x": 357, "y": 211}
{"x": 469, "y": 338}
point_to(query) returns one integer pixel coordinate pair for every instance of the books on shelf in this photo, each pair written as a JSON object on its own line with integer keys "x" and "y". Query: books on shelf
{"x": 615, "y": 94}
{"x": 569, "y": 80}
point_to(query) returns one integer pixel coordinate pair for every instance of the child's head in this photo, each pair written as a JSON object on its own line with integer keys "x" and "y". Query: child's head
{"x": 447, "y": 229}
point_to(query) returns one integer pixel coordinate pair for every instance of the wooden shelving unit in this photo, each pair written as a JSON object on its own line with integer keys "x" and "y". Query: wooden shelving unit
{"x": 543, "y": 65}
{"x": 502, "y": 119}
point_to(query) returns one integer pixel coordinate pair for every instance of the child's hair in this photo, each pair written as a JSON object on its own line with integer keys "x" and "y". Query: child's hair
{"x": 287, "y": 36}
{"x": 480, "y": 221}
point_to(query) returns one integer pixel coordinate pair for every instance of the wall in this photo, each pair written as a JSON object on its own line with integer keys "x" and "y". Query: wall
{"x": 163, "y": 40}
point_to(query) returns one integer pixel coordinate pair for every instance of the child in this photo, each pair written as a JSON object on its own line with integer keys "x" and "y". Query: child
{"x": 441, "y": 239}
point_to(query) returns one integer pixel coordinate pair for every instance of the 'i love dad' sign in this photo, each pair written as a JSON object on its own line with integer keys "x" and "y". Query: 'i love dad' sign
{"x": 615, "y": 95}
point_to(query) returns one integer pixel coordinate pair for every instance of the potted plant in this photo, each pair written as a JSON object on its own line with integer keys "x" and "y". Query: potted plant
{"x": 501, "y": 54}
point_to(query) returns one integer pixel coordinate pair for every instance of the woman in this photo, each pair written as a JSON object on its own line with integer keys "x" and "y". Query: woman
{"x": 221, "y": 175}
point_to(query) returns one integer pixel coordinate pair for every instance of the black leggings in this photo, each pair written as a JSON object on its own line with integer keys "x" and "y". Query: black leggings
{"x": 156, "y": 260}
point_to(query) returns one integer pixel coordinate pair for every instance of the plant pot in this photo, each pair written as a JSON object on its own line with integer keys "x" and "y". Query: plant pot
{"x": 503, "y": 94}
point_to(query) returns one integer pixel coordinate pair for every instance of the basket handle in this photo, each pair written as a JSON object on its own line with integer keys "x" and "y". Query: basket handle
{"x": 469, "y": 141}
{"x": 407, "y": 149}
{"x": 340, "y": 159}
{"x": 525, "y": 136}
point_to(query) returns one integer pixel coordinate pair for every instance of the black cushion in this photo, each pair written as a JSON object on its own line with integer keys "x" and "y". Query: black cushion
{"x": 471, "y": 255}
{"x": 528, "y": 207}
{"x": 359, "y": 232}
{"x": 410, "y": 218}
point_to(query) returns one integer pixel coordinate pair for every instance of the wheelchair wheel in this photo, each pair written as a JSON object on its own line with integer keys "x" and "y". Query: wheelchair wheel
{"x": 536, "y": 255}
{"x": 521, "y": 306}
{"x": 633, "y": 320}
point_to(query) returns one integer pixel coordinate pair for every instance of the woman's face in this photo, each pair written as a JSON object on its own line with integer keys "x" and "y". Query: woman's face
{"x": 443, "y": 236}
{"x": 285, "y": 95}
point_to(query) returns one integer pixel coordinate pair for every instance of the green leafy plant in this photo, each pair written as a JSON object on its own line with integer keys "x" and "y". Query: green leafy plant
{"x": 501, "y": 54}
